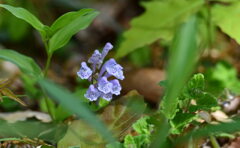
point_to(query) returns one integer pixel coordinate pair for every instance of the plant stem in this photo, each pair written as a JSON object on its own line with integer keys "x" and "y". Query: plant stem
{"x": 46, "y": 99}
{"x": 49, "y": 58}
{"x": 214, "y": 142}
{"x": 50, "y": 111}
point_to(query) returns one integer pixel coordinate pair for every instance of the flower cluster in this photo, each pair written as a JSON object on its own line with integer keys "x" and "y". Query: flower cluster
{"x": 98, "y": 74}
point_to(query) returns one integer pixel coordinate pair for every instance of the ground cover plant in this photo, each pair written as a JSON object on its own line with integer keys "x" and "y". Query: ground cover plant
{"x": 84, "y": 79}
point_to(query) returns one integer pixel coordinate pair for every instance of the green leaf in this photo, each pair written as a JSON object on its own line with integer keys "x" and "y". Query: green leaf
{"x": 228, "y": 127}
{"x": 228, "y": 22}
{"x": 26, "y": 64}
{"x": 142, "y": 126}
{"x": 74, "y": 105}
{"x": 114, "y": 145}
{"x": 129, "y": 142}
{"x": 25, "y": 15}
{"x": 141, "y": 57}
{"x": 67, "y": 18}
{"x": 180, "y": 121}
{"x": 50, "y": 132}
{"x": 158, "y": 22}
{"x": 226, "y": 76}
{"x": 82, "y": 20}
{"x": 183, "y": 57}
{"x": 197, "y": 82}
{"x": 117, "y": 116}
{"x": 206, "y": 102}
{"x": 80, "y": 134}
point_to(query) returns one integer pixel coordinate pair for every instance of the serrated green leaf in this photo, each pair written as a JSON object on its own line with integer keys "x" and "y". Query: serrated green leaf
{"x": 153, "y": 18}
{"x": 7, "y": 92}
{"x": 26, "y": 64}
{"x": 142, "y": 126}
{"x": 228, "y": 22}
{"x": 183, "y": 56}
{"x": 25, "y": 15}
{"x": 62, "y": 36}
{"x": 206, "y": 101}
{"x": 158, "y": 22}
{"x": 180, "y": 121}
{"x": 197, "y": 82}
{"x": 129, "y": 142}
{"x": 225, "y": 77}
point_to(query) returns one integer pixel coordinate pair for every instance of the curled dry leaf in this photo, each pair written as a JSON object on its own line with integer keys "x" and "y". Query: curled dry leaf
{"x": 220, "y": 116}
{"x": 23, "y": 115}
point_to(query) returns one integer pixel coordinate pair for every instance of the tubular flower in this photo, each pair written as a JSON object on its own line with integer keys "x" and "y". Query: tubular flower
{"x": 99, "y": 73}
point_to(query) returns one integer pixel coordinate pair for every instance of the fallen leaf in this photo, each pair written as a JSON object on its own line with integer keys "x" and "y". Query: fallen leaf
{"x": 24, "y": 115}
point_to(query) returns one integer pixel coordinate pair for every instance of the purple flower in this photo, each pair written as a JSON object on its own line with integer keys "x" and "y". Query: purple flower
{"x": 107, "y": 97}
{"x": 113, "y": 69}
{"x": 106, "y": 49}
{"x": 92, "y": 93}
{"x": 96, "y": 58}
{"x": 104, "y": 85}
{"x": 116, "y": 87}
{"x": 85, "y": 72}
{"x": 98, "y": 75}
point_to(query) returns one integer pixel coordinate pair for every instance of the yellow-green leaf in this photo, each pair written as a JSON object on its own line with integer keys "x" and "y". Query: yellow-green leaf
{"x": 159, "y": 21}
{"x": 4, "y": 82}
{"x": 11, "y": 95}
{"x": 227, "y": 17}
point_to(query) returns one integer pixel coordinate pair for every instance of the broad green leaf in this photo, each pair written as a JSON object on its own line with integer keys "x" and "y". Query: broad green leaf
{"x": 50, "y": 132}
{"x": 62, "y": 36}
{"x": 228, "y": 22}
{"x": 26, "y": 64}
{"x": 7, "y": 92}
{"x": 158, "y": 22}
{"x": 118, "y": 116}
{"x": 74, "y": 105}
{"x": 25, "y": 15}
{"x": 183, "y": 57}
{"x": 81, "y": 134}
{"x": 67, "y": 18}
